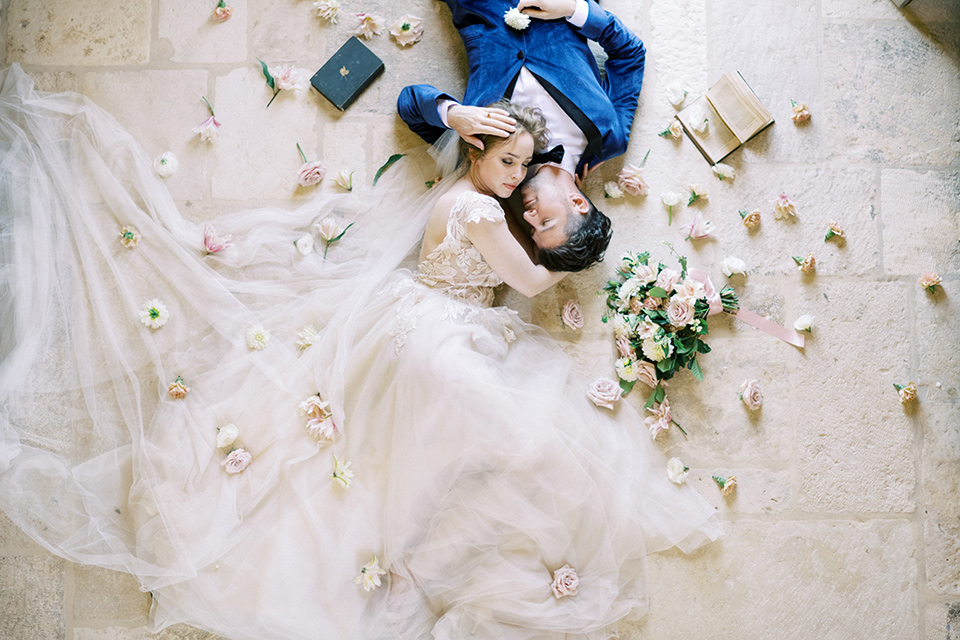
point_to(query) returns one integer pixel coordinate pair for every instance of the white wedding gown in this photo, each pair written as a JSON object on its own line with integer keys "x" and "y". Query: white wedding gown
{"x": 480, "y": 465}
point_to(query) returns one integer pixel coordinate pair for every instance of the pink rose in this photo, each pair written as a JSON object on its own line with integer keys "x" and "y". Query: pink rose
{"x": 750, "y": 394}
{"x": 237, "y": 461}
{"x": 213, "y": 243}
{"x": 407, "y": 30}
{"x": 631, "y": 181}
{"x": 667, "y": 279}
{"x": 800, "y": 112}
{"x": 647, "y": 373}
{"x": 571, "y": 315}
{"x": 311, "y": 173}
{"x": 679, "y": 311}
{"x": 604, "y": 392}
{"x": 565, "y": 582}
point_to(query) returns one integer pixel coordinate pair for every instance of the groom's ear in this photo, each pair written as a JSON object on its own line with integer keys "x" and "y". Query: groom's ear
{"x": 580, "y": 203}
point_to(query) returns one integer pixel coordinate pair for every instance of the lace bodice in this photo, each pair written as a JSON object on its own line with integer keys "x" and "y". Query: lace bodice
{"x": 455, "y": 266}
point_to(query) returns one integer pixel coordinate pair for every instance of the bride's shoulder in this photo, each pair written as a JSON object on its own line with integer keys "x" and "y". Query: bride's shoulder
{"x": 471, "y": 206}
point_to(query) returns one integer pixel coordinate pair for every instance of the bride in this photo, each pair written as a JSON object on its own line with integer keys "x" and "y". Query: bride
{"x": 280, "y": 445}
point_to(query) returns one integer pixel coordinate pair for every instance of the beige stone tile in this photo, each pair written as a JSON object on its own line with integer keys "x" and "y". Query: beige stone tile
{"x": 175, "y": 632}
{"x": 777, "y": 50}
{"x": 890, "y": 94}
{"x": 160, "y": 109}
{"x": 920, "y": 214}
{"x": 915, "y": 13}
{"x": 55, "y": 81}
{"x": 101, "y": 594}
{"x": 854, "y": 439}
{"x": 13, "y": 541}
{"x": 758, "y": 491}
{"x": 188, "y": 29}
{"x": 938, "y": 335}
{"x": 943, "y": 621}
{"x": 256, "y": 155}
{"x": 941, "y": 486}
{"x": 289, "y": 31}
{"x": 32, "y": 597}
{"x": 789, "y": 579}
{"x": 79, "y": 33}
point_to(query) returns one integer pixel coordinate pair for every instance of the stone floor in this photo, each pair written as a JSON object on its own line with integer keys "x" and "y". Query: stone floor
{"x": 846, "y": 523}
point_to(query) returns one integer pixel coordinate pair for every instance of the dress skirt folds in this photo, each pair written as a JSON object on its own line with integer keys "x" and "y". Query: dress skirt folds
{"x": 479, "y": 467}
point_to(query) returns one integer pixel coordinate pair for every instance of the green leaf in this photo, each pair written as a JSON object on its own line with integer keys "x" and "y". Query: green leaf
{"x": 627, "y": 386}
{"x": 665, "y": 365}
{"x": 659, "y": 393}
{"x": 342, "y": 232}
{"x": 703, "y": 347}
{"x": 657, "y": 292}
{"x": 386, "y": 165}
{"x": 696, "y": 370}
{"x": 266, "y": 74}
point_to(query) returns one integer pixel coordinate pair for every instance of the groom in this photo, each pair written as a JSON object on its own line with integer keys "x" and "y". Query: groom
{"x": 550, "y": 66}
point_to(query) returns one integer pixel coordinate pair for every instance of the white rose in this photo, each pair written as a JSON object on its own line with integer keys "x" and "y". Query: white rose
{"x": 676, "y": 94}
{"x": 676, "y": 471}
{"x": 670, "y": 198}
{"x": 166, "y": 164}
{"x": 612, "y": 190}
{"x": 227, "y": 435}
{"x": 803, "y": 323}
{"x": 676, "y": 129}
{"x": 731, "y": 266}
{"x": 565, "y": 582}
{"x": 304, "y": 244}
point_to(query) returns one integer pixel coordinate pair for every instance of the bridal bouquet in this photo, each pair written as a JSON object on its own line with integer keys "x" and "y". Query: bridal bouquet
{"x": 659, "y": 319}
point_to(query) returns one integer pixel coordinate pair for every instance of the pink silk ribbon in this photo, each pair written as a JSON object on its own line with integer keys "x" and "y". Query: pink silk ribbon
{"x": 753, "y": 319}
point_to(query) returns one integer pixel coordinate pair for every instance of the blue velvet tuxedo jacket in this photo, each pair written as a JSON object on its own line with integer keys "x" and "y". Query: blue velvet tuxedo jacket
{"x": 556, "y": 53}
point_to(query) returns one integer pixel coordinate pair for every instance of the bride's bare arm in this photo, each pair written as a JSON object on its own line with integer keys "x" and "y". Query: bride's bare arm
{"x": 508, "y": 259}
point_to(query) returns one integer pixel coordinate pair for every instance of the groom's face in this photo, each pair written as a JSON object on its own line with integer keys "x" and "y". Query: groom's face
{"x": 547, "y": 211}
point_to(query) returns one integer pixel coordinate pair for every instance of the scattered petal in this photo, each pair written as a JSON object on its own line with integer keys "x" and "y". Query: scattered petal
{"x": 699, "y": 229}
{"x": 676, "y": 94}
{"x": 724, "y": 171}
{"x": 304, "y": 244}
{"x": 307, "y": 336}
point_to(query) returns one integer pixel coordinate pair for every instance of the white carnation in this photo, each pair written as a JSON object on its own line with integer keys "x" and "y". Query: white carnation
{"x": 516, "y": 20}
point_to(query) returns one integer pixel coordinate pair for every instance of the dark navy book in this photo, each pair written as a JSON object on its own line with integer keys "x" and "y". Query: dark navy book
{"x": 347, "y": 73}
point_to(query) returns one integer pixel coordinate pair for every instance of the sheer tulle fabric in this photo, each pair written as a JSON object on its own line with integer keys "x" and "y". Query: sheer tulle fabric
{"x": 480, "y": 465}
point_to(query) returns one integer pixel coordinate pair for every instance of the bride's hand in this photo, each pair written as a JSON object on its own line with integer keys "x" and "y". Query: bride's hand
{"x": 547, "y": 9}
{"x": 470, "y": 121}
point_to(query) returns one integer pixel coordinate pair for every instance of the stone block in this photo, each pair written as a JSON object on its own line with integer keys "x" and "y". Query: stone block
{"x": 890, "y": 94}
{"x": 825, "y": 580}
{"x": 938, "y": 335}
{"x": 941, "y": 486}
{"x": 747, "y": 38}
{"x": 256, "y": 155}
{"x": 854, "y": 439}
{"x": 79, "y": 33}
{"x": 13, "y": 541}
{"x": 175, "y": 632}
{"x": 160, "y": 109}
{"x": 920, "y": 213}
{"x": 943, "y": 620}
{"x": 55, "y": 81}
{"x": 101, "y": 594}
{"x": 194, "y": 37}
{"x": 289, "y": 31}
{"x": 758, "y": 491}
{"x": 32, "y": 597}
{"x": 914, "y": 13}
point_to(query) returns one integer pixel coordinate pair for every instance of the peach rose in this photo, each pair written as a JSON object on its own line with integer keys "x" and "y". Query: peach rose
{"x": 679, "y": 311}
{"x": 806, "y": 264}
{"x": 750, "y": 394}
{"x": 908, "y": 392}
{"x": 222, "y": 13}
{"x": 800, "y": 112}
{"x": 565, "y": 582}
{"x": 604, "y": 392}
{"x": 929, "y": 280}
{"x": 631, "y": 181}
{"x": 237, "y": 461}
{"x": 177, "y": 389}
{"x": 571, "y": 315}
{"x": 752, "y": 219}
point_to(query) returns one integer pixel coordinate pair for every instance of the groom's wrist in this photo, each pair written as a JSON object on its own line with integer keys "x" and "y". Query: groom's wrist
{"x": 443, "y": 106}
{"x": 580, "y": 14}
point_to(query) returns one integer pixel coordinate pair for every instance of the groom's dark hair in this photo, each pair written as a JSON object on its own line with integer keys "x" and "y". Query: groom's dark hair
{"x": 585, "y": 244}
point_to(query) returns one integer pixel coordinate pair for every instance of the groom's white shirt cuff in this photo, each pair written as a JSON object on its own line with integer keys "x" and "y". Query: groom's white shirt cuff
{"x": 580, "y": 14}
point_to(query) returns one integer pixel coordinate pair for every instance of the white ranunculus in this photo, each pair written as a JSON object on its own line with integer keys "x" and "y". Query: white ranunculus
{"x": 676, "y": 471}
{"x": 304, "y": 244}
{"x": 227, "y": 435}
{"x": 803, "y": 323}
{"x": 733, "y": 266}
{"x": 676, "y": 94}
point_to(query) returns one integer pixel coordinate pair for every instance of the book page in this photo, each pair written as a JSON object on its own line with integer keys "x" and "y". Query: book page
{"x": 739, "y": 106}
{"x": 717, "y": 140}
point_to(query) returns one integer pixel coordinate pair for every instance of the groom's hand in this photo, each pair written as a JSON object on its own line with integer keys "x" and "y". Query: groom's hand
{"x": 548, "y": 9}
{"x": 470, "y": 121}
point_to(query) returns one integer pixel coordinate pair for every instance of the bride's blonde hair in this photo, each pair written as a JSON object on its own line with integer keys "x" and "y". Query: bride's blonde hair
{"x": 528, "y": 119}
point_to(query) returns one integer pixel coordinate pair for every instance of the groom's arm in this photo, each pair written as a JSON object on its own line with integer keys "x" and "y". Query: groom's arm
{"x": 417, "y": 106}
{"x": 625, "y": 61}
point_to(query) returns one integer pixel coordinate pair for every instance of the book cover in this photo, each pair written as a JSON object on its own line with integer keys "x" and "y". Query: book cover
{"x": 733, "y": 114}
{"x": 347, "y": 73}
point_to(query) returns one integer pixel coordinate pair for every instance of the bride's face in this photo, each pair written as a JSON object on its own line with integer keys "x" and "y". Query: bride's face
{"x": 500, "y": 170}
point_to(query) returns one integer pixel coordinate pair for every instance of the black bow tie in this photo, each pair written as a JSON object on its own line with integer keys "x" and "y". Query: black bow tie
{"x": 554, "y": 155}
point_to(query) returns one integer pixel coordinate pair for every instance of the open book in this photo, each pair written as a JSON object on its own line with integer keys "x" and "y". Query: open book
{"x": 733, "y": 115}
